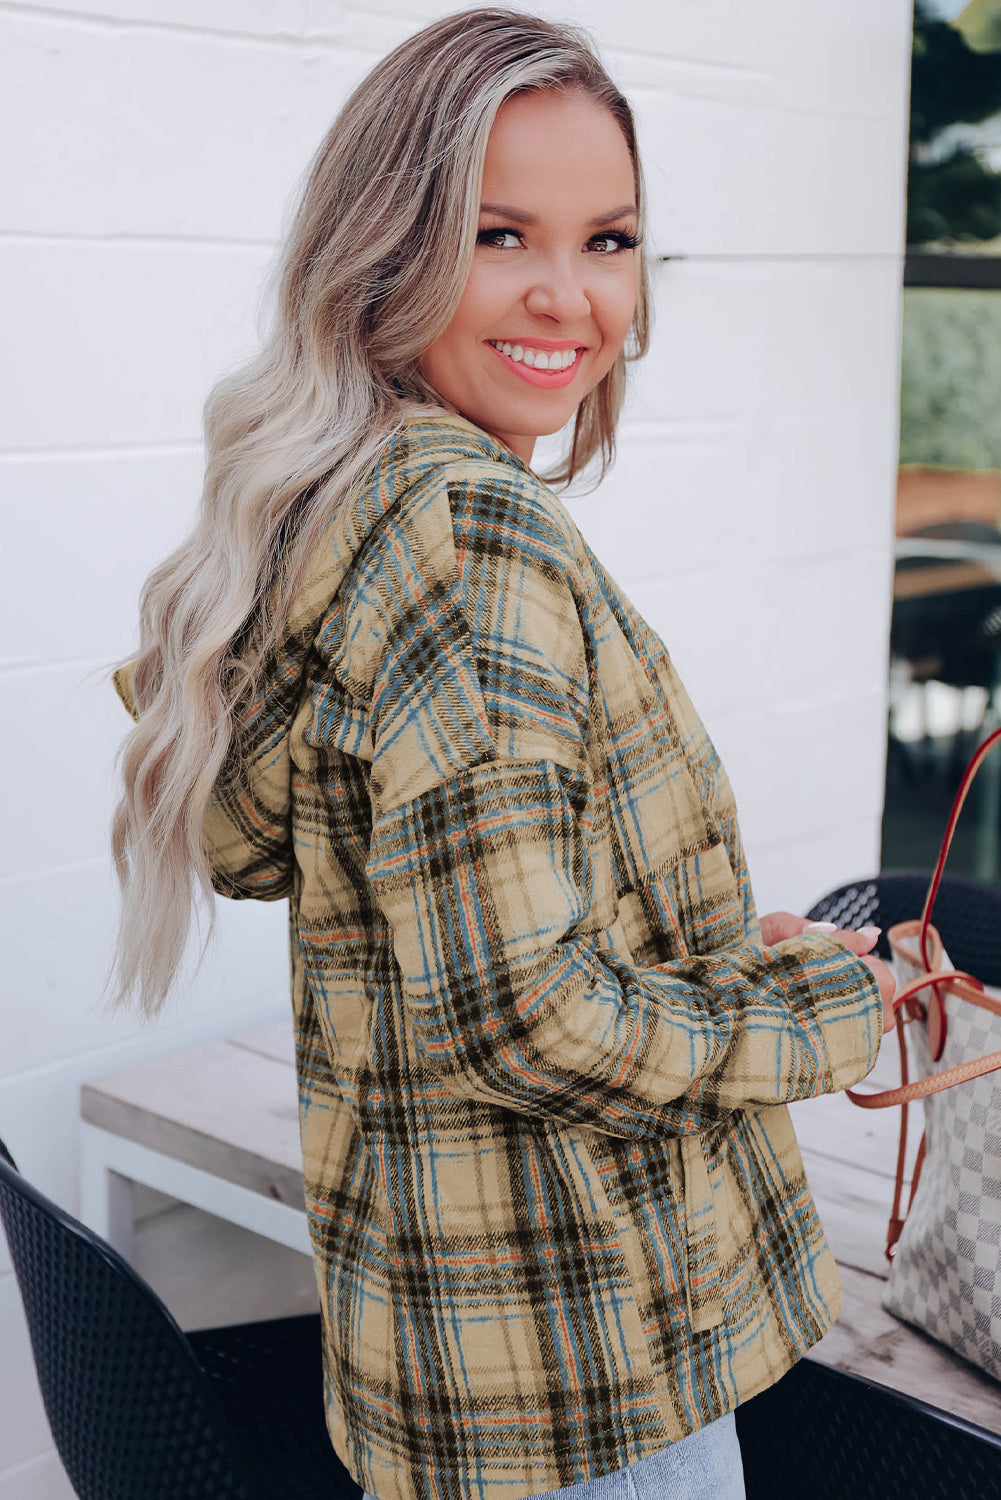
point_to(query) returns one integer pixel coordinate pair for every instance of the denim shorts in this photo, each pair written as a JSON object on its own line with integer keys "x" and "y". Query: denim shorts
{"x": 705, "y": 1465}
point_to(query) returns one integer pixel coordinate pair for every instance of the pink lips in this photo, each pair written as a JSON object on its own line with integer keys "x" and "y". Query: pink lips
{"x": 546, "y": 379}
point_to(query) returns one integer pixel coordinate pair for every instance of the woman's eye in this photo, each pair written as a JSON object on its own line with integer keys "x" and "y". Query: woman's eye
{"x": 496, "y": 238}
{"x": 606, "y": 244}
{"x": 616, "y": 240}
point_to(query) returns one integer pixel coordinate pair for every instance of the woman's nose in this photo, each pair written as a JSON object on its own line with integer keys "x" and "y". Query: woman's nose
{"x": 558, "y": 292}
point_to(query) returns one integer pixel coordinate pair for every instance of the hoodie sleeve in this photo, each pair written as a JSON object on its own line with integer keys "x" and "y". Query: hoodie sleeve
{"x": 247, "y": 829}
{"x": 247, "y": 833}
{"x": 487, "y": 825}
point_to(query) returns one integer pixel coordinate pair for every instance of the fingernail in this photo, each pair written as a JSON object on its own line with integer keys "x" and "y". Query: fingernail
{"x": 821, "y": 927}
{"x": 870, "y": 932}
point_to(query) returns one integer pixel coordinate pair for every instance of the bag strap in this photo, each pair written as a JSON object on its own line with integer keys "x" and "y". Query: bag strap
{"x": 970, "y": 989}
{"x": 959, "y": 983}
{"x": 976, "y": 761}
{"x": 905, "y": 1009}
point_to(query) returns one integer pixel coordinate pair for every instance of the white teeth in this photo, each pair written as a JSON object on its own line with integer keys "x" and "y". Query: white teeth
{"x": 538, "y": 359}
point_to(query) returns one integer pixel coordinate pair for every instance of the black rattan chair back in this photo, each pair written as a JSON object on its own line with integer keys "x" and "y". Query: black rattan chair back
{"x": 825, "y": 1434}
{"x": 967, "y": 914}
{"x": 131, "y": 1413}
{"x": 141, "y": 1411}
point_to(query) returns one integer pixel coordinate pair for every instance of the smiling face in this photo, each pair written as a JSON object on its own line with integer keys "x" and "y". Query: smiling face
{"x": 552, "y": 291}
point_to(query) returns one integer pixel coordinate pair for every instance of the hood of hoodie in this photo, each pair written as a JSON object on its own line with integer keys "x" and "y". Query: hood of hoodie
{"x": 247, "y": 830}
{"x": 423, "y": 443}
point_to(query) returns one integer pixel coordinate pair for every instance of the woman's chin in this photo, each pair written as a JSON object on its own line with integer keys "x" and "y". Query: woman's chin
{"x": 530, "y": 420}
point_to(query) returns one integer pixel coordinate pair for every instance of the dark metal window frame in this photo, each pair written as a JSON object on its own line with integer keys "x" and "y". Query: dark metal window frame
{"x": 937, "y": 268}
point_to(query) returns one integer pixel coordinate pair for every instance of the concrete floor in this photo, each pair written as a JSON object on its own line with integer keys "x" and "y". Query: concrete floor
{"x": 210, "y": 1272}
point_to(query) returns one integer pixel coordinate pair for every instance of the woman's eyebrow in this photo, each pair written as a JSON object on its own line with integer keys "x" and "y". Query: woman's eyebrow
{"x": 519, "y": 216}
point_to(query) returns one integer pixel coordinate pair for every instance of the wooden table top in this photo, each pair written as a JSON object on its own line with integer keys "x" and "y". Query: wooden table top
{"x": 928, "y": 565}
{"x": 952, "y": 578}
{"x": 230, "y": 1108}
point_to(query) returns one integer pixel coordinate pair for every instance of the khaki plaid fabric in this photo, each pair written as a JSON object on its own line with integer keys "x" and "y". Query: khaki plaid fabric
{"x": 558, "y": 1212}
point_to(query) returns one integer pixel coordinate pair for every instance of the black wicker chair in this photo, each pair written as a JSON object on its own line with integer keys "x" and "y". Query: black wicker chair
{"x": 967, "y": 914}
{"x": 825, "y": 1434}
{"x": 141, "y": 1411}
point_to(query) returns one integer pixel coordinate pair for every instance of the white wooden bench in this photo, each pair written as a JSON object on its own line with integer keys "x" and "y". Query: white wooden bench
{"x": 216, "y": 1126}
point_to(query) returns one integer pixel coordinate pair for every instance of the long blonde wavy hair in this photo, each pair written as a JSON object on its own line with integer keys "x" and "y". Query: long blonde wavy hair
{"x": 374, "y": 265}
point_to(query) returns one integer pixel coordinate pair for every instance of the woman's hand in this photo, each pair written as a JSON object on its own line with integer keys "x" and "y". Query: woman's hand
{"x": 778, "y": 925}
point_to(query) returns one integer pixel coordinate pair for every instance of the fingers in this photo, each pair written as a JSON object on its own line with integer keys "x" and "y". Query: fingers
{"x": 776, "y": 926}
{"x": 779, "y": 925}
{"x": 862, "y": 941}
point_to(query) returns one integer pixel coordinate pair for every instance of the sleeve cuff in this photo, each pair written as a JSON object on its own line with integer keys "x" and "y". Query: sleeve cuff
{"x": 846, "y": 1001}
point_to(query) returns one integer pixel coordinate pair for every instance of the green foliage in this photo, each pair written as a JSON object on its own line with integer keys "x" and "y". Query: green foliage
{"x": 950, "y": 391}
{"x": 949, "y": 81}
{"x": 980, "y": 23}
{"x": 957, "y": 198}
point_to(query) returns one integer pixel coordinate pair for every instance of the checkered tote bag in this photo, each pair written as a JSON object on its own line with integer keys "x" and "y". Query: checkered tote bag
{"x": 945, "y": 1252}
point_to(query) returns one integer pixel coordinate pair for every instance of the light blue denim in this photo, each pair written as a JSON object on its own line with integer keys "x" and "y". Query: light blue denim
{"x": 706, "y": 1465}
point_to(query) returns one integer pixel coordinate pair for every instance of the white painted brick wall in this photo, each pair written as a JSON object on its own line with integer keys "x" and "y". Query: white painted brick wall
{"x": 158, "y": 146}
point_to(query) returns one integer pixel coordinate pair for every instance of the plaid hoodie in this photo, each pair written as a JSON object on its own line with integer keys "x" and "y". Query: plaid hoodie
{"x": 558, "y": 1212}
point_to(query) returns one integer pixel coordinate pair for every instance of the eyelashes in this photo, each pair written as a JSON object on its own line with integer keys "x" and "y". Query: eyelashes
{"x": 485, "y": 236}
{"x": 623, "y": 240}
{"x": 618, "y": 237}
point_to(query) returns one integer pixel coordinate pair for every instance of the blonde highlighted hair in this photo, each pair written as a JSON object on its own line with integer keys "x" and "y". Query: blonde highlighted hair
{"x": 373, "y": 268}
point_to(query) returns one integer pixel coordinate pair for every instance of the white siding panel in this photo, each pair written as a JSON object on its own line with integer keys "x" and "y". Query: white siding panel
{"x": 54, "y": 990}
{"x": 279, "y": 20}
{"x": 805, "y": 769}
{"x": 107, "y": 520}
{"x": 670, "y": 503}
{"x": 794, "y": 876}
{"x": 119, "y": 343}
{"x": 61, "y": 726}
{"x": 764, "y": 338}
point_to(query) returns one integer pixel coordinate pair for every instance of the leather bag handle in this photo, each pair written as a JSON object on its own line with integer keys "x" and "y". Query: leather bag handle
{"x": 907, "y": 1007}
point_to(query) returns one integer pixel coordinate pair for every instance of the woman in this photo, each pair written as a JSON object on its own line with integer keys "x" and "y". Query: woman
{"x": 559, "y": 1217}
